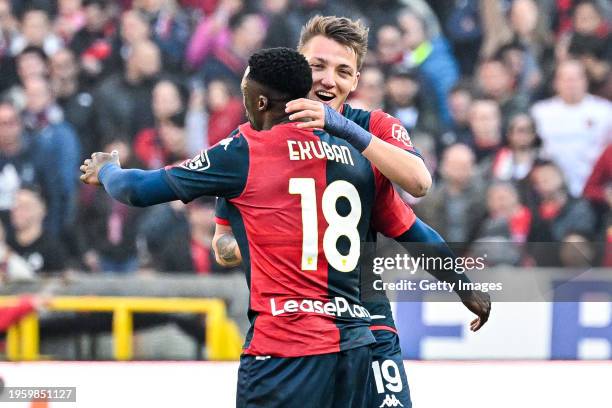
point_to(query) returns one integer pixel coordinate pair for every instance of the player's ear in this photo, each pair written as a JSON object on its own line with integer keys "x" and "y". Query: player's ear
{"x": 262, "y": 103}
{"x": 357, "y": 76}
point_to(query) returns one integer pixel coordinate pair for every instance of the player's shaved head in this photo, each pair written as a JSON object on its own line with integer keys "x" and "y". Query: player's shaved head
{"x": 283, "y": 70}
{"x": 274, "y": 77}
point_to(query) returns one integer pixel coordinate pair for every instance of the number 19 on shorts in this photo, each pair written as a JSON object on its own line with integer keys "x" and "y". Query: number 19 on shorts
{"x": 390, "y": 373}
{"x": 338, "y": 225}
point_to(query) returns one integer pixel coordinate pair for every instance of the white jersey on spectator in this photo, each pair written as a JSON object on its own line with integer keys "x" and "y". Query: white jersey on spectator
{"x": 574, "y": 136}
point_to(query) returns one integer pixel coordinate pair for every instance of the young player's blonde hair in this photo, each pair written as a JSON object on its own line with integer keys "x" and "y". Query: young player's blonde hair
{"x": 350, "y": 33}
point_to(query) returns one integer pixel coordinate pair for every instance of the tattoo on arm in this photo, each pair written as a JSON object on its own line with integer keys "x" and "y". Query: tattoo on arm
{"x": 226, "y": 245}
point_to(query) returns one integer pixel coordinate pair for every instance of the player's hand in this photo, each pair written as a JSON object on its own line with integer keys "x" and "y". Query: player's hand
{"x": 307, "y": 109}
{"x": 91, "y": 167}
{"x": 479, "y": 303}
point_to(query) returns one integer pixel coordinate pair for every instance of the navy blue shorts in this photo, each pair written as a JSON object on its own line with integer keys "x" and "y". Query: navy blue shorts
{"x": 336, "y": 380}
{"x": 388, "y": 381}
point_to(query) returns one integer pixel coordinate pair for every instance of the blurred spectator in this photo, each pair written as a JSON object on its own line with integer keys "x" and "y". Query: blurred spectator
{"x": 8, "y": 27}
{"x": 109, "y": 227}
{"x": 8, "y": 32}
{"x": 36, "y": 31}
{"x": 529, "y": 27}
{"x": 43, "y": 252}
{"x": 562, "y": 14}
{"x": 555, "y": 212}
{"x": 164, "y": 145}
{"x": 370, "y": 93}
{"x": 459, "y": 102}
{"x": 407, "y": 102}
{"x": 303, "y": 10}
{"x": 70, "y": 19}
{"x": 134, "y": 29}
{"x": 212, "y": 33}
{"x": 514, "y": 161}
{"x": 247, "y": 33}
{"x": 31, "y": 63}
{"x": 159, "y": 225}
{"x": 169, "y": 99}
{"x": 13, "y": 268}
{"x": 455, "y": 207}
{"x": 591, "y": 43}
{"x": 497, "y": 82}
{"x": 486, "y": 129}
{"x": 432, "y": 58}
{"x": 170, "y": 30}
{"x": 281, "y": 31}
{"x": 523, "y": 67}
{"x": 93, "y": 44}
{"x": 526, "y": 25}
{"x": 125, "y": 96}
{"x": 57, "y": 148}
{"x": 505, "y": 208}
{"x": 226, "y": 111}
{"x": 376, "y": 13}
{"x": 574, "y": 126}
{"x": 461, "y": 21}
{"x": 18, "y": 166}
{"x": 389, "y": 47}
{"x": 179, "y": 237}
{"x": 76, "y": 104}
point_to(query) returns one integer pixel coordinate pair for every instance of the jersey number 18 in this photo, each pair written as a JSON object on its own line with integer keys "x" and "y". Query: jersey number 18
{"x": 338, "y": 225}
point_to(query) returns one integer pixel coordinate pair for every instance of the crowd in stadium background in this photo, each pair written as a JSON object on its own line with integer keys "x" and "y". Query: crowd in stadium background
{"x": 509, "y": 101}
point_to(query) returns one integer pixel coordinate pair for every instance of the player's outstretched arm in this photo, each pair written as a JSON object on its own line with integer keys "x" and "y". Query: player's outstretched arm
{"x": 225, "y": 247}
{"x": 139, "y": 188}
{"x": 476, "y": 301}
{"x": 399, "y": 166}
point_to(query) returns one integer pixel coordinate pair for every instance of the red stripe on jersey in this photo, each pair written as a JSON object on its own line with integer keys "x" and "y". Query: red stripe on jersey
{"x": 276, "y": 256}
{"x": 388, "y": 328}
{"x": 221, "y": 221}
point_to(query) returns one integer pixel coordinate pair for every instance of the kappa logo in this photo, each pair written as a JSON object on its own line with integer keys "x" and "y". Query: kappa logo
{"x": 391, "y": 401}
{"x": 198, "y": 163}
{"x": 225, "y": 142}
{"x": 400, "y": 134}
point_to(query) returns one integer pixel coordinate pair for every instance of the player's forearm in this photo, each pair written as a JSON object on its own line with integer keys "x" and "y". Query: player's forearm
{"x": 139, "y": 188}
{"x": 225, "y": 247}
{"x": 226, "y": 251}
{"x": 399, "y": 166}
{"x": 432, "y": 245}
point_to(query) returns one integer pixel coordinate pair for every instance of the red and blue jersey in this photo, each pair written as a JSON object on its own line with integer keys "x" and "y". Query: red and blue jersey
{"x": 390, "y": 216}
{"x": 301, "y": 206}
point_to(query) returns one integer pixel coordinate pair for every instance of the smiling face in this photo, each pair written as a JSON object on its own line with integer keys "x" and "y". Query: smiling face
{"x": 334, "y": 70}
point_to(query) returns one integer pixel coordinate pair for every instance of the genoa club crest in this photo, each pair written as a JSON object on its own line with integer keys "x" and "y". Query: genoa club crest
{"x": 400, "y": 134}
